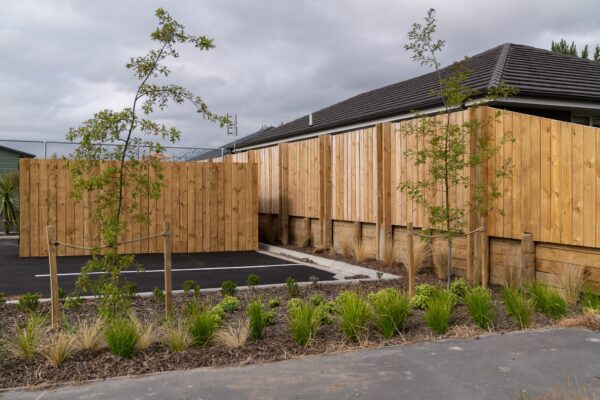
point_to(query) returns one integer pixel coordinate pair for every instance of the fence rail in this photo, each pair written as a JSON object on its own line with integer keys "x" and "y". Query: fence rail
{"x": 210, "y": 206}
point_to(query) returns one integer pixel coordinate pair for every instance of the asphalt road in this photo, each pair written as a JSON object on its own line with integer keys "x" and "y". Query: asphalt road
{"x": 20, "y": 275}
{"x": 493, "y": 367}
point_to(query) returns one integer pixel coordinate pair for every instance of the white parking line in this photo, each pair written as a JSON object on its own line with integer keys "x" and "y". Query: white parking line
{"x": 175, "y": 270}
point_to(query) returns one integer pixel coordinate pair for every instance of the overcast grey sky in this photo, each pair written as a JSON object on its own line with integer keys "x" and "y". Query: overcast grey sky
{"x": 63, "y": 60}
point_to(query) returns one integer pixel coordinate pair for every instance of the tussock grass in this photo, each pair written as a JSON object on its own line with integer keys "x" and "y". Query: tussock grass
{"x": 320, "y": 249}
{"x": 304, "y": 240}
{"x": 121, "y": 336}
{"x": 88, "y": 335}
{"x": 439, "y": 310}
{"x": 513, "y": 276}
{"x": 59, "y": 347}
{"x": 572, "y": 280}
{"x": 257, "y": 316}
{"x": 304, "y": 323}
{"x": 548, "y": 300}
{"x": 359, "y": 251}
{"x": 481, "y": 307}
{"x": 518, "y": 306}
{"x": 391, "y": 308}
{"x": 234, "y": 335}
{"x": 147, "y": 333}
{"x": 176, "y": 335}
{"x": 354, "y": 314}
{"x": 28, "y": 339}
{"x": 439, "y": 252}
{"x": 345, "y": 248}
{"x": 203, "y": 326}
{"x": 422, "y": 252}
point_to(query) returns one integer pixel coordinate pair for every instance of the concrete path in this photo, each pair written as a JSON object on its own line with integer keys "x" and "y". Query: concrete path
{"x": 493, "y": 367}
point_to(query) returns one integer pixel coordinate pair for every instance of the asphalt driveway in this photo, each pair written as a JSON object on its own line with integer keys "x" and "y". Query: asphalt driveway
{"x": 19, "y": 275}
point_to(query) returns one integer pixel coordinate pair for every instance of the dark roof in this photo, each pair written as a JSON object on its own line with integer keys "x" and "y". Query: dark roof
{"x": 18, "y": 152}
{"x": 226, "y": 148}
{"x": 534, "y": 72}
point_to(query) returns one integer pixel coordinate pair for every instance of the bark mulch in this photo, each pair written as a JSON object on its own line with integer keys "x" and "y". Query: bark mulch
{"x": 276, "y": 344}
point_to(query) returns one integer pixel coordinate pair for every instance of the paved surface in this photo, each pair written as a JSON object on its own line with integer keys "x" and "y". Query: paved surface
{"x": 493, "y": 367}
{"x": 20, "y": 275}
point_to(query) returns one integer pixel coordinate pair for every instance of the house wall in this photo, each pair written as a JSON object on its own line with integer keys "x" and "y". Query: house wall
{"x": 9, "y": 162}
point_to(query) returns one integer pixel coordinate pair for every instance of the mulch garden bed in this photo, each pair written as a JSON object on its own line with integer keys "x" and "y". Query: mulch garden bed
{"x": 276, "y": 344}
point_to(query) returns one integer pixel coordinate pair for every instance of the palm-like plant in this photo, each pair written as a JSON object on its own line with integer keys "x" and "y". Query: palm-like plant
{"x": 9, "y": 185}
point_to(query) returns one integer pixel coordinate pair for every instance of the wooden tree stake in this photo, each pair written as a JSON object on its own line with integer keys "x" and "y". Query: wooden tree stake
{"x": 51, "y": 236}
{"x": 168, "y": 265}
{"x": 485, "y": 256}
{"x": 411, "y": 259}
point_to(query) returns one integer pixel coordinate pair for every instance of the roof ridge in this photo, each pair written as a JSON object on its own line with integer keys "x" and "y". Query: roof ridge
{"x": 500, "y": 64}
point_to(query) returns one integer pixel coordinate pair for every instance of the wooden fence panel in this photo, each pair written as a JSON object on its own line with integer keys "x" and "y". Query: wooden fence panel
{"x": 211, "y": 207}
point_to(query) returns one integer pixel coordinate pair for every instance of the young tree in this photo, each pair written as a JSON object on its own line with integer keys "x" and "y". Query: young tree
{"x": 447, "y": 152}
{"x": 129, "y": 144}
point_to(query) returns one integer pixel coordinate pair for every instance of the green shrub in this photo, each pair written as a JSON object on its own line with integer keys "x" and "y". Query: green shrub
{"x": 27, "y": 341}
{"x": 304, "y": 323}
{"x": 316, "y": 299}
{"x": 159, "y": 295}
{"x": 29, "y": 302}
{"x": 518, "y": 306}
{"x": 274, "y": 302}
{"x": 218, "y": 310}
{"x": 421, "y": 296}
{"x": 252, "y": 280}
{"x": 354, "y": 314}
{"x": 548, "y": 300}
{"x": 293, "y": 303}
{"x": 481, "y": 306}
{"x": 73, "y": 301}
{"x": 121, "y": 335}
{"x": 131, "y": 288}
{"x": 230, "y": 304}
{"x": 589, "y": 300}
{"x": 259, "y": 318}
{"x": 228, "y": 288}
{"x": 203, "y": 326}
{"x": 391, "y": 308}
{"x": 2, "y": 299}
{"x": 62, "y": 294}
{"x": 439, "y": 310}
{"x": 292, "y": 287}
{"x": 459, "y": 288}
{"x": 190, "y": 286}
{"x": 191, "y": 308}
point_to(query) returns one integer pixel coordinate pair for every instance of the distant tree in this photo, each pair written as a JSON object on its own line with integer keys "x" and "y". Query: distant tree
{"x": 563, "y": 47}
{"x": 585, "y": 53}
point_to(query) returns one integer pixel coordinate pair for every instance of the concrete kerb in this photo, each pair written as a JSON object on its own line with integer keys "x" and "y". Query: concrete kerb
{"x": 340, "y": 268}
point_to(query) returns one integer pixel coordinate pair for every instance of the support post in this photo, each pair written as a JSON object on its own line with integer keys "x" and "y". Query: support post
{"x": 54, "y": 309}
{"x": 325, "y": 197}
{"x": 527, "y": 255}
{"x": 168, "y": 266}
{"x": 485, "y": 255}
{"x": 384, "y": 193}
{"x": 411, "y": 259}
{"x": 476, "y": 256}
{"x": 357, "y": 232}
{"x": 284, "y": 220}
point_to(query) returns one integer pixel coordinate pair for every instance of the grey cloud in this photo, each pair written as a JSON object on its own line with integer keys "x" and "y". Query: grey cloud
{"x": 274, "y": 60}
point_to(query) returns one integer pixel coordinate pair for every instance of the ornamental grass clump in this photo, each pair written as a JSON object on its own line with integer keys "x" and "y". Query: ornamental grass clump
{"x": 548, "y": 300}
{"x": 147, "y": 333}
{"x": 27, "y": 341}
{"x": 259, "y": 318}
{"x": 59, "y": 348}
{"x": 88, "y": 335}
{"x": 590, "y": 301}
{"x": 121, "y": 336}
{"x": 354, "y": 315}
{"x": 203, "y": 325}
{"x": 481, "y": 307}
{"x": 234, "y": 335}
{"x": 439, "y": 310}
{"x": 292, "y": 287}
{"x": 391, "y": 308}
{"x": 572, "y": 279}
{"x": 176, "y": 335}
{"x": 518, "y": 306}
{"x": 304, "y": 322}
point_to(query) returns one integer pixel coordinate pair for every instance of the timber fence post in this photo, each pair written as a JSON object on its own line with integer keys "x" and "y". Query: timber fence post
{"x": 411, "y": 259}
{"x": 54, "y": 310}
{"x": 284, "y": 222}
